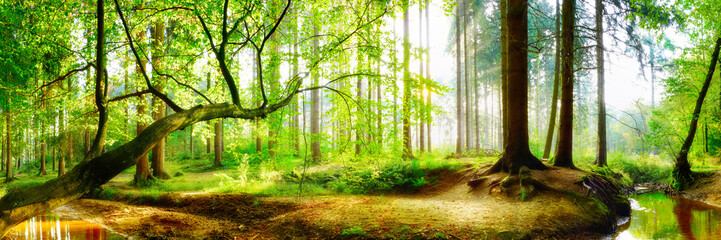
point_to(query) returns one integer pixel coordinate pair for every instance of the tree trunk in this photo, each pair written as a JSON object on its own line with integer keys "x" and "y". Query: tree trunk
{"x": 8, "y": 149}
{"x": 43, "y": 170}
{"x": 517, "y": 153}
{"x": 428, "y": 76}
{"x": 21, "y": 204}
{"x": 556, "y": 76}
{"x": 192, "y": 144}
{"x": 564, "y": 151}
{"x": 63, "y": 139}
{"x": 407, "y": 144}
{"x": 158, "y": 155}
{"x": 466, "y": 81}
{"x": 142, "y": 168}
{"x": 504, "y": 73}
{"x": 422, "y": 107}
{"x": 459, "y": 89}
{"x": 86, "y": 140}
{"x": 601, "y": 154}
{"x": 683, "y": 177}
{"x": 218, "y": 159}
{"x": 315, "y": 107}
{"x": 477, "y": 118}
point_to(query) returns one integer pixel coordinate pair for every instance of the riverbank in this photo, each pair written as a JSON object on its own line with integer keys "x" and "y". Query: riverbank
{"x": 706, "y": 188}
{"x": 446, "y": 209}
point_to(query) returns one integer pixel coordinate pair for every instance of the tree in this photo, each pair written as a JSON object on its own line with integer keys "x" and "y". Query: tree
{"x": 564, "y": 148}
{"x": 682, "y": 175}
{"x": 142, "y": 168}
{"x": 429, "y": 104}
{"x": 601, "y": 149}
{"x": 407, "y": 142}
{"x": 516, "y": 152}
{"x": 422, "y": 124}
{"x": 21, "y": 204}
{"x": 158, "y": 156}
{"x": 459, "y": 106}
{"x": 315, "y": 106}
{"x": 556, "y": 76}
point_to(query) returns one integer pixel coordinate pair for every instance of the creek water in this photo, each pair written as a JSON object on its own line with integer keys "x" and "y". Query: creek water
{"x": 658, "y": 216}
{"x": 51, "y": 226}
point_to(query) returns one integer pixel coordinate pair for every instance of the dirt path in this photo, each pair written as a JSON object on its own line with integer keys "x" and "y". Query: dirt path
{"x": 444, "y": 211}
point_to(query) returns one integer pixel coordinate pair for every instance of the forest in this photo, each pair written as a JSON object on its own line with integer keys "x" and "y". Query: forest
{"x": 360, "y": 119}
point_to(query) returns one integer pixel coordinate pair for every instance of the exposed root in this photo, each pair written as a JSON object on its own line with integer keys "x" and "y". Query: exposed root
{"x": 521, "y": 185}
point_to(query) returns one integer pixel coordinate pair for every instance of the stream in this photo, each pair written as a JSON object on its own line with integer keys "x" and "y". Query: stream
{"x": 658, "y": 216}
{"x": 52, "y": 226}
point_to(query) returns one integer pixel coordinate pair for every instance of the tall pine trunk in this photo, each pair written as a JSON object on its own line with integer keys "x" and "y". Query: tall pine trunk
{"x": 459, "y": 97}
{"x": 556, "y": 77}
{"x": 315, "y": 106}
{"x": 504, "y": 73}
{"x": 564, "y": 151}
{"x": 407, "y": 147}
{"x": 429, "y": 104}
{"x": 517, "y": 153}
{"x": 601, "y": 154}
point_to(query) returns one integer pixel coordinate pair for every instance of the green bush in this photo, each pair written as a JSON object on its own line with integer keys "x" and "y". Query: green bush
{"x": 643, "y": 168}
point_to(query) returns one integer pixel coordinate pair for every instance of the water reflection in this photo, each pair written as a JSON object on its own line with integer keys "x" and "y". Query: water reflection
{"x": 657, "y": 216}
{"x": 51, "y": 226}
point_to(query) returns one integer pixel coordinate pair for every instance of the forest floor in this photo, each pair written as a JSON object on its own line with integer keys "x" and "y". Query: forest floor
{"x": 444, "y": 210}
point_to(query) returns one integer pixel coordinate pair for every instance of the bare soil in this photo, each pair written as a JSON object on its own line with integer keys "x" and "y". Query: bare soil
{"x": 446, "y": 210}
{"x": 706, "y": 189}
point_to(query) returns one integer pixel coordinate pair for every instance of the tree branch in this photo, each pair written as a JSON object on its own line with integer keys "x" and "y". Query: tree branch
{"x": 152, "y": 89}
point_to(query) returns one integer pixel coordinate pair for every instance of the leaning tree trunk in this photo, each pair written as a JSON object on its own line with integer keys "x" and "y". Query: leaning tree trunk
{"x": 564, "y": 148}
{"x": 21, "y": 204}
{"x": 682, "y": 174}
{"x": 516, "y": 153}
{"x": 556, "y": 76}
{"x": 601, "y": 149}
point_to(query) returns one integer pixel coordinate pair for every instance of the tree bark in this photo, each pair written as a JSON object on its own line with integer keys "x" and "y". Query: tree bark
{"x": 556, "y": 77}
{"x": 422, "y": 109}
{"x": 316, "y": 155}
{"x": 192, "y": 144}
{"x": 218, "y": 156}
{"x": 504, "y": 72}
{"x": 601, "y": 149}
{"x": 682, "y": 174}
{"x": 158, "y": 155}
{"x": 517, "y": 153}
{"x": 8, "y": 149}
{"x": 142, "y": 168}
{"x": 466, "y": 81}
{"x": 63, "y": 142}
{"x": 407, "y": 144}
{"x": 428, "y": 76}
{"x": 564, "y": 151}
{"x": 459, "y": 89}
